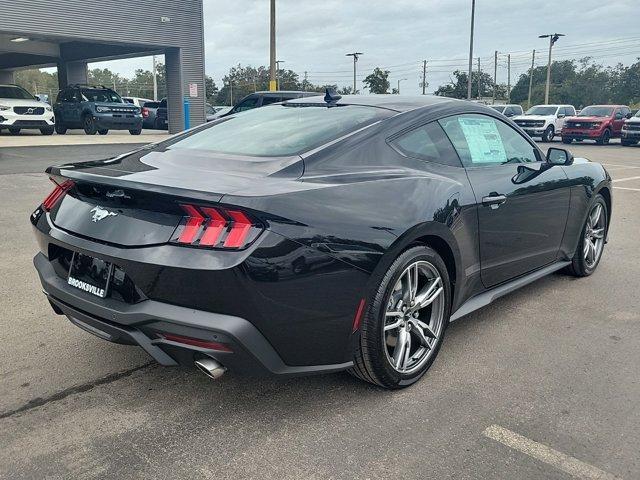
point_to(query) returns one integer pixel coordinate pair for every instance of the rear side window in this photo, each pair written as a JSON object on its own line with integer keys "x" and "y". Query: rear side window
{"x": 281, "y": 130}
{"x": 247, "y": 104}
{"x": 270, "y": 100}
{"x": 481, "y": 140}
{"x": 429, "y": 143}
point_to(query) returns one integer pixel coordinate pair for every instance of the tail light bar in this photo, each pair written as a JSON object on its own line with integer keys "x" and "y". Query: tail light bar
{"x": 218, "y": 227}
{"x": 56, "y": 195}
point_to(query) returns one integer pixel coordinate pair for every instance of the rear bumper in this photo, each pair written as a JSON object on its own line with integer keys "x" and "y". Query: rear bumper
{"x": 144, "y": 324}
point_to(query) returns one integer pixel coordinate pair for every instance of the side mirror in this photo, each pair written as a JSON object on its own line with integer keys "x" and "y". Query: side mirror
{"x": 629, "y": 115}
{"x": 559, "y": 156}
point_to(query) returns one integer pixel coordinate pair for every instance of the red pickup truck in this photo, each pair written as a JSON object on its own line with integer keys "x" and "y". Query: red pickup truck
{"x": 596, "y": 122}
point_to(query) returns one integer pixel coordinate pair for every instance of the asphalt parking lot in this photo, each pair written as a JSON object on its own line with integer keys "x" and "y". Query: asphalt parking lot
{"x": 544, "y": 383}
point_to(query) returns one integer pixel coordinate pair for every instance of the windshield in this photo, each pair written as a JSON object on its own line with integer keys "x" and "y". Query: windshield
{"x": 499, "y": 108}
{"x": 542, "y": 110}
{"x": 596, "y": 112}
{"x": 99, "y": 95}
{"x": 15, "y": 93}
{"x": 281, "y": 130}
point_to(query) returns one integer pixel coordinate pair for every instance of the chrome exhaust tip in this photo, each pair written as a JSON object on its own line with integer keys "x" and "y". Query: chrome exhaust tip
{"x": 210, "y": 367}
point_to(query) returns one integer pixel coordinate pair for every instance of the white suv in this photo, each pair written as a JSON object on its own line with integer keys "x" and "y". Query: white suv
{"x": 19, "y": 109}
{"x": 544, "y": 121}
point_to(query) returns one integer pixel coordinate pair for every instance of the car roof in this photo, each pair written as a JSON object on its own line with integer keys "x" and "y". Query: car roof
{"x": 285, "y": 92}
{"x": 399, "y": 103}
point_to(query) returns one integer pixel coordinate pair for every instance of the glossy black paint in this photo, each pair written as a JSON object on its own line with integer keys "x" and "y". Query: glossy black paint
{"x": 335, "y": 219}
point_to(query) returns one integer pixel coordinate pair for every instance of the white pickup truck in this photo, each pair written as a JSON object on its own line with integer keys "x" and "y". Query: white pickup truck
{"x": 544, "y": 121}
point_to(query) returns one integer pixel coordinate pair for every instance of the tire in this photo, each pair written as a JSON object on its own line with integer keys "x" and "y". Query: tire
{"x": 14, "y": 131}
{"x": 60, "y": 128}
{"x": 548, "y": 134}
{"x": 136, "y": 131}
{"x": 628, "y": 143}
{"x": 89, "y": 125}
{"x": 47, "y": 130}
{"x": 567, "y": 140}
{"x": 157, "y": 125}
{"x": 580, "y": 265}
{"x": 103, "y": 131}
{"x": 604, "y": 138}
{"x": 377, "y": 346}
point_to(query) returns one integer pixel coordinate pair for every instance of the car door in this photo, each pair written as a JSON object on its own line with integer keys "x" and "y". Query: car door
{"x": 71, "y": 107}
{"x": 522, "y": 201}
{"x": 618, "y": 121}
{"x": 560, "y": 117}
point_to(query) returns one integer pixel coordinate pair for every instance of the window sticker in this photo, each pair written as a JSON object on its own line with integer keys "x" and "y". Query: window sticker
{"x": 483, "y": 139}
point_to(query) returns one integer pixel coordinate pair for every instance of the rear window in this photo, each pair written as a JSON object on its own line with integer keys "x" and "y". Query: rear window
{"x": 281, "y": 130}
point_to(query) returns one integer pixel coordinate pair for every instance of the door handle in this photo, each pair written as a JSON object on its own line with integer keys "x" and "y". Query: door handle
{"x": 494, "y": 200}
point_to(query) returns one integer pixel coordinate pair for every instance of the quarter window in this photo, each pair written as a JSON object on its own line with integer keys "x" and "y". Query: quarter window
{"x": 428, "y": 142}
{"x": 484, "y": 141}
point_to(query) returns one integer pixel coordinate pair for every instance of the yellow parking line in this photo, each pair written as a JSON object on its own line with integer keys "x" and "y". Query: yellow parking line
{"x": 545, "y": 454}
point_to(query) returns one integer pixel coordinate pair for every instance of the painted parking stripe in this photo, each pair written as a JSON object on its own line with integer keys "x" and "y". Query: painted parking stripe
{"x": 545, "y": 454}
{"x": 625, "y": 179}
{"x": 618, "y": 165}
{"x": 627, "y": 188}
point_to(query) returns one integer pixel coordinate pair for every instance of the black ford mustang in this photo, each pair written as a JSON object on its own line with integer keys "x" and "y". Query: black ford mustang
{"x": 317, "y": 235}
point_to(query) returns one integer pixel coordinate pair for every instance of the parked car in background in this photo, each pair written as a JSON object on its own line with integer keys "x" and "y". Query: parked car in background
{"x": 148, "y": 112}
{"x": 161, "y": 121}
{"x": 96, "y": 109}
{"x": 139, "y": 102}
{"x": 544, "y": 121}
{"x": 213, "y": 112}
{"x": 600, "y": 123}
{"x": 43, "y": 97}
{"x": 631, "y": 130}
{"x": 510, "y": 110}
{"x": 261, "y": 99}
{"x": 21, "y": 110}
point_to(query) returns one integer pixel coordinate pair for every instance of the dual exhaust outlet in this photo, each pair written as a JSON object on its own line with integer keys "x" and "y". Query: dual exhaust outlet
{"x": 210, "y": 367}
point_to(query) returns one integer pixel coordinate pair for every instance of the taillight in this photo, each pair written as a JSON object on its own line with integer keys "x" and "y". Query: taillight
{"x": 145, "y": 112}
{"x": 56, "y": 195}
{"x": 216, "y": 227}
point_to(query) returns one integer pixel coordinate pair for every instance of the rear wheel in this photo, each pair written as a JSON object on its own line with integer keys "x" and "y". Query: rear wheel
{"x": 89, "y": 125}
{"x": 14, "y": 131}
{"x": 47, "y": 130}
{"x": 604, "y": 138}
{"x": 591, "y": 245}
{"x": 567, "y": 140}
{"x": 404, "y": 324}
{"x": 548, "y": 134}
{"x": 103, "y": 131}
{"x": 136, "y": 131}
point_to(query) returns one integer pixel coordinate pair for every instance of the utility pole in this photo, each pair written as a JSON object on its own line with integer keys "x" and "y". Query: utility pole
{"x": 355, "y": 56}
{"x": 533, "y": 61}
{"x": 479, "y": 80}
{"x": 509, "y": 78}
{"x": 473, "y": 14}
{"x": 231, "y": 91}
{"x": 304, "y": 83}
{"x": 495, "y": 77}
{"x": 424, "y": 77}
{"x": 553, "y": 38}
{"x": 278, "y": 62}
{"x": 400, "y": 80}
{"x": 272, "y": 48}
{"x": 155, "y": 81}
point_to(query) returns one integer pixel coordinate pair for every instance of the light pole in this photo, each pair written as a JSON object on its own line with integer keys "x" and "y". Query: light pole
{"x": 272, "y": 48}
{"x": 473, "y": 14}
{"x": 533, "y": 63}
{"x": 278, "y": 62}
{"x": 553, "y": 38}
{"x": 355, "y": 56}
{"x": 400, "y": 80}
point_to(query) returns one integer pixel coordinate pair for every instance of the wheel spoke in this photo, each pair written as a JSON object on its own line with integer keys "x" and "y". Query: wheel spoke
{"x": 598, "y": 233}
{"x": 428, "y": 294}
{"x": 595, "y": 215}
{"x": 394, "y": 314}
{"x": 426, "y": 328}
{"x": 393, "y": 325}
{"x": 399, "y": 351}
{"x": 419, "y": 332}
{"x": 407, "y": 352}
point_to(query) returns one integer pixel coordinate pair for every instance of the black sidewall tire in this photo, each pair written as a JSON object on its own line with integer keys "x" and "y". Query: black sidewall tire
{"x": 136, "y": 131}
{"x": 47, "y": 131}
{"x": 567, "y": 141}
{"x": 103, "y": 131}
{"x": 89, "y": 125}
{"x": 372, "y": 341}
{"x": 14, "y": 131}
{"x": 578, "y": 264}
{"x": 60, "y": 129}
{"x": 548, "y": 134}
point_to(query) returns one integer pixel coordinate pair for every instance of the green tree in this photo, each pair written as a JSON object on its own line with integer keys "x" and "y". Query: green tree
{"x": 377, "y": 81}
{"x": 38, "y": 82}
{"x": 457, "y": 87}
{"x": 211, "y": 89}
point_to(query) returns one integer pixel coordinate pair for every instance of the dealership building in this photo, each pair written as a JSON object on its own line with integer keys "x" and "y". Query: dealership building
{"x": 68, "y": 34}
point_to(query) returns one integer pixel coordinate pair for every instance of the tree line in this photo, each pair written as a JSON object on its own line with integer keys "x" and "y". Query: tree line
{"x": 576, "y": 82}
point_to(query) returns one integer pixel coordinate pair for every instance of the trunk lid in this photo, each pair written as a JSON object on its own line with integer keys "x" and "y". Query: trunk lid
{"x": 135, "y": 199}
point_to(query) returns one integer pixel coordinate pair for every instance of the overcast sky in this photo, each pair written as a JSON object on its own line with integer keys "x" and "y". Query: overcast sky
{"x": 314, "y": 36}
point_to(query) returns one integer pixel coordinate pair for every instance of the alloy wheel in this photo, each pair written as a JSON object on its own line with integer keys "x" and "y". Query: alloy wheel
{"x": 414, "y": 318}
{"x": 594, "y": 236}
